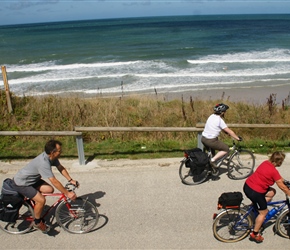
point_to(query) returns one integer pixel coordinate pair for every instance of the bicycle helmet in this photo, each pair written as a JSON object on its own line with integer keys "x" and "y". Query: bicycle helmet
{"x": 220, "y": 108}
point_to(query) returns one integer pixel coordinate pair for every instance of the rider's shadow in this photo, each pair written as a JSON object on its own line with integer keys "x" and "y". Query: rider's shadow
{"x": 92, "y": 197}
{"x": 222, "y": 170}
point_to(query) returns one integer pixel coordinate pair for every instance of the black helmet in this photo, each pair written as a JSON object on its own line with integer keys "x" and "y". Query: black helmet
{"x": 219, "y": 108}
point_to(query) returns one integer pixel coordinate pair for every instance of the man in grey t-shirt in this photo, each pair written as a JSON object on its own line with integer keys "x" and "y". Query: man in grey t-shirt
{"x": 28, "y": 180}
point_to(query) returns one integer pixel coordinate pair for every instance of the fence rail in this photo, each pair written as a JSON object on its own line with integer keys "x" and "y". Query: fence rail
{"x": 79, "y": 130}
{"x": 138, "y": 129}
{"x": 40, "y": 133}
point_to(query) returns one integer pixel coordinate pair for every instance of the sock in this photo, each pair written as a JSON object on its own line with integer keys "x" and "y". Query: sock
{"x": 37, "y": 221}
{"x": 255, "y": 233}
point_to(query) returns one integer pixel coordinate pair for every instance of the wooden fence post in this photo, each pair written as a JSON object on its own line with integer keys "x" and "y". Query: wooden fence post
{"x": 8, "y": 98}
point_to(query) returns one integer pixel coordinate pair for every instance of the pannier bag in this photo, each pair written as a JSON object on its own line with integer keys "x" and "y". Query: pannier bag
{"x": 10, "y": 202}
{"x": 197, "y": 160}
{"x": 230, "y": 200}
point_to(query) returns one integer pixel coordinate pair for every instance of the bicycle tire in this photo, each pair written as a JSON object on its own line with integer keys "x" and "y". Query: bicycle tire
{"x": 282, "y": 224}
{"x": 226, "y": 229}
{"x": 24, "y": 222}
{"x": 78, "y": 216}
{"x": 241, "y": 164}
{"x": 188, "y": 178}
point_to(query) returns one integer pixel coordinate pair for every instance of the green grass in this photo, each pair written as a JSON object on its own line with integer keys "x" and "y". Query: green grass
{"x": 55, "y": 113}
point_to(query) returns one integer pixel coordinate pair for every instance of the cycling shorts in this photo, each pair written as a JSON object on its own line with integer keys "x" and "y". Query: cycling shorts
{"x": 258, "y": 199}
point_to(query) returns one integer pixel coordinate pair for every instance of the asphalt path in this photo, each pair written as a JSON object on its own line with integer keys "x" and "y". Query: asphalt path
{"x": 143, "y": 205}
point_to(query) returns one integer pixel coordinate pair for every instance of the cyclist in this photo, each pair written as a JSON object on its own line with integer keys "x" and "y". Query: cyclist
{"x": 257, "y": 189}
{"x": 28, "y": 182}
{"x": 214, "y": 125}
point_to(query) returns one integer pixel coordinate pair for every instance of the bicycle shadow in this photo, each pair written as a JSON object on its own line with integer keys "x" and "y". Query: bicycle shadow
{"x": 222, "y": 170}
{"x": 55, "y": 227}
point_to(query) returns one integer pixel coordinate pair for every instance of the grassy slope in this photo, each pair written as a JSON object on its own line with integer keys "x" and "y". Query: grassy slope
{"x": 55, "y": 113}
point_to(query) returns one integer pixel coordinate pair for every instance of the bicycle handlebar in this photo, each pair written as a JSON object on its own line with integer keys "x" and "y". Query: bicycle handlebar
{"x": 287, "y": 183}
{"x": 71, "y": 187}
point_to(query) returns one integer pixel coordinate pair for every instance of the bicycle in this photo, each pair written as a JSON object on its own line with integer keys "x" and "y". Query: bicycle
{"x": 240, "y": 164}
{"x": 234, "y": 223}
{"x": 78, "y": 216}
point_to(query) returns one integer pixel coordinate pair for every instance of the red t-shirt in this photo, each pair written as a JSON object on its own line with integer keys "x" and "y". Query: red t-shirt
{"x": 264, "y": 177}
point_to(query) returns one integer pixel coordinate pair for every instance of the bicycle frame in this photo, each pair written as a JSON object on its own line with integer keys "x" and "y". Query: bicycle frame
{"x": 254, "y": 210}
{"x": 226, "y": 156}
{"x": 61, "y": 198}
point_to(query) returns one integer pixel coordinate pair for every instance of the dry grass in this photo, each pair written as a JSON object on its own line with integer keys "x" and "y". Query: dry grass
{"x": 56, "y": 113}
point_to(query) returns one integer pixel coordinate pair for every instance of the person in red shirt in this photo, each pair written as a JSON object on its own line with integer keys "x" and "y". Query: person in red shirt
{"x": 258, "y": 189}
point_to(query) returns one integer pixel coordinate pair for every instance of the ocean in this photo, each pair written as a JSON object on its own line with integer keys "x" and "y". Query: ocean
{"x": 146, "y": 55}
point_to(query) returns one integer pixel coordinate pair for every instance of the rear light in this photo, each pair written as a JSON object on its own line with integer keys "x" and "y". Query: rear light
{"x": 219, "y": 206}
{"x": 214, "y": 216}
{"x": 185, "y": 155}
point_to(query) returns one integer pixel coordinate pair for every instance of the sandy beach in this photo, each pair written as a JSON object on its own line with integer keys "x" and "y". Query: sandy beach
{"x": 251, "y": 95}
{"x": 255, "y": 95}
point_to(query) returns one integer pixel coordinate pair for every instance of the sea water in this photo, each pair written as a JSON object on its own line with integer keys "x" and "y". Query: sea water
{"x": 146, "y": 55}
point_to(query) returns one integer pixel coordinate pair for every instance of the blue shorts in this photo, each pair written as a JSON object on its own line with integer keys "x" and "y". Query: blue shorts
{"x": 258, "y": 199}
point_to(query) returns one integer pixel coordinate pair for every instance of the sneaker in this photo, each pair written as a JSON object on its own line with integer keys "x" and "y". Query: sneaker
{"x": 257, "y": 238}
{"x": 213, "y": 164}
{"x": 42, "y": 227}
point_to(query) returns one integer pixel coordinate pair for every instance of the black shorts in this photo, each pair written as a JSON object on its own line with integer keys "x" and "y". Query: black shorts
{"x": 258, "y": 199}
{"x": 28, "y": 191}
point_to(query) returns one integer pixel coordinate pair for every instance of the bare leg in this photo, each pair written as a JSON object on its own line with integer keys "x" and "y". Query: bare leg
{"x": 219, "y": 155}
{"x": 39, "y": 204}
{"x": 260, "y": 219}
{"x": 40, "y": 199}
{"x": 270, "y": 194}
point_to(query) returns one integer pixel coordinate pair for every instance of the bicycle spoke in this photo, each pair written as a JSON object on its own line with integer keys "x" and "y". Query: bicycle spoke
{"x": 188, "y": 178}
{"x": 22, "y": 224}
{"x": 231, "y": 226}
{"x": 80, "y": 216}
{"x": 283, "y": 224}
{"x": 241, "y": 164}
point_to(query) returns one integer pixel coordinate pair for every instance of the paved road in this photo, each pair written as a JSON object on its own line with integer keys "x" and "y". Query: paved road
{"x": 143, "y": 205}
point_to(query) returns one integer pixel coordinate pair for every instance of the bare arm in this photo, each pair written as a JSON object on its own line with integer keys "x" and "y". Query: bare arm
{"x": 283, "y": 187}
{"x": 56, "y": 183}
{"x": 231, "y": 133}
{"x": 64, "y": 172}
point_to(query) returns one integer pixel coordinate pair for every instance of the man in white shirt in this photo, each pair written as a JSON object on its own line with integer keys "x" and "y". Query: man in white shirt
{"x": 214, "y": 125}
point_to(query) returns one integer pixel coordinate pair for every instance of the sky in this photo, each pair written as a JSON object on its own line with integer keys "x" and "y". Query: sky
{"x": 39, "y": 11}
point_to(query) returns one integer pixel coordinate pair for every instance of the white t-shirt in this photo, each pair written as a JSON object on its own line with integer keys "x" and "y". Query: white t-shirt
{"x": 213, "y": 126}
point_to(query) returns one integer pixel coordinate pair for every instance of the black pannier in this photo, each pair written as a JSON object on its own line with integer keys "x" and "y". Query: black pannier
{"x": 197, "y": 160}
{"x": 10, "y": 202}
{"x": 230, "y": 199}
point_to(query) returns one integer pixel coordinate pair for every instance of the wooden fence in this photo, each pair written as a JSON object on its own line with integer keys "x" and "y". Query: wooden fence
{"x": 79, "y": 130}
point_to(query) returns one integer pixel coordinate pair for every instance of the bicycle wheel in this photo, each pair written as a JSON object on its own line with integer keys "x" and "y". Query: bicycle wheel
{"x": 282, "y": 224}
{"x": 188, "y": 178}
{"x": 24, "y": 222}
{"x": 241, "y": 164}
{"x": 231, "y": 226}
{"x": 78, "y": 216}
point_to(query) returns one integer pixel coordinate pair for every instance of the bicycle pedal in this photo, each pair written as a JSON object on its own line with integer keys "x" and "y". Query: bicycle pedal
{"x": 215, "y": 172}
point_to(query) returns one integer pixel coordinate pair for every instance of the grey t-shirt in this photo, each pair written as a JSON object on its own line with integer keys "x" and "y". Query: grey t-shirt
{"x": 39, "y": 167}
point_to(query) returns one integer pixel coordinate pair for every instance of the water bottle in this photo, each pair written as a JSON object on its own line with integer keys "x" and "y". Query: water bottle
{"x": 271, "y": 213}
